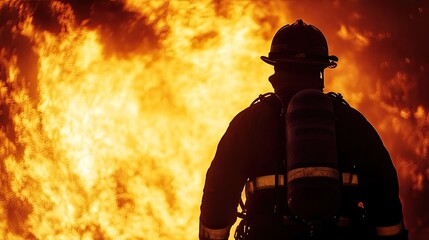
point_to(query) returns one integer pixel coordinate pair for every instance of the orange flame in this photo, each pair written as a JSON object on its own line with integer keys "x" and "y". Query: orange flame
{"x": 107, "y": 129}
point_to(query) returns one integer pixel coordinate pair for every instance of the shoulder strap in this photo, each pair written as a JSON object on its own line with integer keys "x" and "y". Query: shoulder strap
{"x": 272, "y": 99}
{"x": 351, "y": 177}
{"x": 337, "y": 97}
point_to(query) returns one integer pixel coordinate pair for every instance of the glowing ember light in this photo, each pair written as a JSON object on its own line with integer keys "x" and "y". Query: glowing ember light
{"x": 420, "y": 113}
{"x": 405, "y": 113}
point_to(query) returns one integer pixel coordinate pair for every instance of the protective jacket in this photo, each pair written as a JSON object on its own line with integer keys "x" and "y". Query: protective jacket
{"x": 249, "y": 154}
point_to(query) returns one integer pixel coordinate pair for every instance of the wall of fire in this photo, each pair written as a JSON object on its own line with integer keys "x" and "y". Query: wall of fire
{"x": 110, "y": 111}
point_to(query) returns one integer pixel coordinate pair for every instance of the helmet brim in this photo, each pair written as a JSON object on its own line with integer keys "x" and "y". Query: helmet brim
{"x": 283, "y": 61}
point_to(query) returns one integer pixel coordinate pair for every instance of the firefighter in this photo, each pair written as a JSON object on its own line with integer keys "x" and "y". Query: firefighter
{"x": 252, "y": 155}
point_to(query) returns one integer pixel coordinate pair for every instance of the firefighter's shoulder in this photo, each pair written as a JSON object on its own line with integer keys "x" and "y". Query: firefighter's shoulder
{"x": 265, "y": 106}
{"x": 351, "y": 118}
{"x": 343, "y": 109}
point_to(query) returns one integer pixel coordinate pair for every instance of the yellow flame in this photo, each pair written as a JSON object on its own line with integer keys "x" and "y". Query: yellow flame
{"x": 116, "y": 147}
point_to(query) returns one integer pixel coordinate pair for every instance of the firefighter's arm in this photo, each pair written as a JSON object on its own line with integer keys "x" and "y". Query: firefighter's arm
{"x": 380, "y": 183}
{"x": 225, "y": 179}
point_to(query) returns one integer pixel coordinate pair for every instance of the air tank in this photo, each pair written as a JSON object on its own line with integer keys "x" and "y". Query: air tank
{"x": 313, "y": 185}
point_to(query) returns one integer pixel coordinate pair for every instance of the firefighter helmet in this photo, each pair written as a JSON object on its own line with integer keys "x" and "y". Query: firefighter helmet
{"x": 300, "y": 43}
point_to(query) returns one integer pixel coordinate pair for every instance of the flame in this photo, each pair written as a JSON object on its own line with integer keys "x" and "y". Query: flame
{"x": 116, "y": 146}
{"x": 351, "y": 34}
{"x": 111, "y": 111}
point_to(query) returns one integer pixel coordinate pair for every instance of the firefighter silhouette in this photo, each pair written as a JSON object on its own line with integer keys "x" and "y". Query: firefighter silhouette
{"x": 312, "y": 166}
